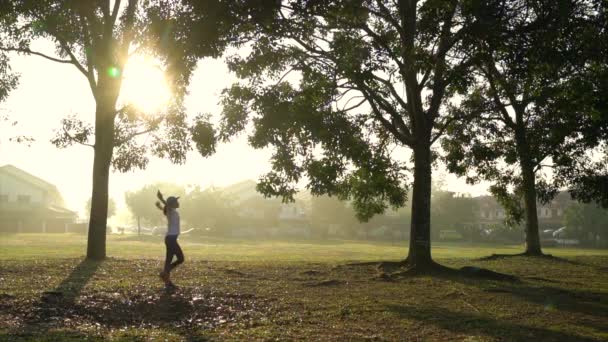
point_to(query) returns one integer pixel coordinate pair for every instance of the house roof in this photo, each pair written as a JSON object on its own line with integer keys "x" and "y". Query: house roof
{"x": 561, "y": 200}
{"x": 28, "y": 177}
{"x": 37, "y": 182}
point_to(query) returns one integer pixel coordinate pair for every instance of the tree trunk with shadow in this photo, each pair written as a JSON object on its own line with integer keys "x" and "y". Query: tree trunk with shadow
{"x": 104, "y": 147}
{"x": 529, "y": 186}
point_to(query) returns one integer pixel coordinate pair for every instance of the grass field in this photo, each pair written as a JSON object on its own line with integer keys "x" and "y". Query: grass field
{"x": 33, "y": 246}
{"x": 286, "y": 290}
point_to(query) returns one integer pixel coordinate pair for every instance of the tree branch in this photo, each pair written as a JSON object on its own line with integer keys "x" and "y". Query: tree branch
{"x": 439, "y": 84}
{"x": 28, "y": 51}
{"x": 133, "y": 135}
{"x": 403, "y": 137}
{"x": 115, "y": 12}
{"x": 391, "y": 88}
{"x": 88, "y": 44}
{"x": 357, "y": 105}
{"x": 127, "y": 37}
{"x": 498, "y": 102}
{"x": 385, "y": 13}
{"x": 76, "y": 140}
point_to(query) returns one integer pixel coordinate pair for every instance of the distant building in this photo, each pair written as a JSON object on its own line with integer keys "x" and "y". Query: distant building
{"x": 30, "y": 204}
{"x": 550, "y": 216}
{"x": 294, "y": 218}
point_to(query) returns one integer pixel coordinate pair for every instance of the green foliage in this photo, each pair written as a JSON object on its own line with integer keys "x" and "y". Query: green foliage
{"x": 203, "y": 135}
{"x": 531, "y": 107}
{"x": 208, "y": 209}
{"x": 455, "y": 212}
{"x": 588, "y": 222}
{"x": 97, "y": 38}
{"x": 325, "y": 88}
{"x": 141, "y": 202}
{"x": 8, "y": 80}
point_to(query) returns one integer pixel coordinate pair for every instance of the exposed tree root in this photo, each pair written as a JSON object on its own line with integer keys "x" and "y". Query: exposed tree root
{"x": 366, "y": 263}
{"x": 438, "y": 270}
{"x": 392, "y": 270}
{"x": 486, "y": 274}
{"x": 524, "y": 254}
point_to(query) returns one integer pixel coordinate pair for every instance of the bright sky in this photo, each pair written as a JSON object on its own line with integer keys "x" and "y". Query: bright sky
{"x": 49, "y": 91}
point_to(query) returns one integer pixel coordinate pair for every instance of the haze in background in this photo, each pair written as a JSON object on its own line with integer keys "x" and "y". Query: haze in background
{"x": 49, "y": 92}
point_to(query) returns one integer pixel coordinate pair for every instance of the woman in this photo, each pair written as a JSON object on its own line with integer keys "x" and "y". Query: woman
{"x": 169, "y": 209}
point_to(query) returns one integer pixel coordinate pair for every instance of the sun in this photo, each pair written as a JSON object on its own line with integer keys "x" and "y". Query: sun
{"x": 144, "y": 85}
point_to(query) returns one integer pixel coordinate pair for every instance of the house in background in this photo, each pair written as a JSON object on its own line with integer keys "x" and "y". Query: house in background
{"x": 294, "y": 217}
{"x": 30, "y": 204}
{"x": 550, "y": 215}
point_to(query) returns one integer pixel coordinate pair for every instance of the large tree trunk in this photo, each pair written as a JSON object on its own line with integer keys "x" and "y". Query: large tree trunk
{"x": 529, "y": 187}
{"x": 104, "y": 146}
{"x": 419, "y": 255}
{"x": 532, "y": 233}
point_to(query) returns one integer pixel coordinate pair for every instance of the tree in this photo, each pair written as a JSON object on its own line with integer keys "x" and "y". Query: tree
{"x": 141, "y": 202}
{"x": 529, "y": 112}
{"x": 208, "y": 208}
{"x": 590, "y": 179}
{"x": 326, "y": 211}
{"x": 455, "y": 212}
{"x": 367, "y": 76}
{"x": 111, "y": 207}
{"x": 8, "y": 80}
{"x": 589, "y": 222}
{"x": 97, "y": 38}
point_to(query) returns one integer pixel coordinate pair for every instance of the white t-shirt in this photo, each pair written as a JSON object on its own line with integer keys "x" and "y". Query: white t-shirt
{"x": 172, "y": 222}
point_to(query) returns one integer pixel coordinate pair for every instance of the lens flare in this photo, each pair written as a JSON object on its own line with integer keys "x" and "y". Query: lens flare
{"x": 113, "y": 72}
{"x": 144, "y": 85}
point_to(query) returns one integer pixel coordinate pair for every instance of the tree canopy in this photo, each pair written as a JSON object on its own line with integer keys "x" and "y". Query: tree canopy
{"x": 527, "y": 112}
{"x": 335, "y": 86}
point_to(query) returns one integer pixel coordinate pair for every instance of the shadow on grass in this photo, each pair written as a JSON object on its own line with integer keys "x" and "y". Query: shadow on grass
{"x": 48, "y": 336}
{"x": 543, "y": 257}
{"x": 555, "y": 298}
{"x": 62, "y": 313}
{"x": 54, "y": 303}
{"x": 570, "y": 261}
{"x": 590, "y": 303}
{"x": 477, "y": 324}
{"x": 72, "y": 286}
{"x": 551, "y": 297}
{"x": 53, "y": 306}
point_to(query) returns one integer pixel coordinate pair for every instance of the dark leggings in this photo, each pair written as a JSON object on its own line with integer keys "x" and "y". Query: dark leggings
{"x": 173, "y": 248}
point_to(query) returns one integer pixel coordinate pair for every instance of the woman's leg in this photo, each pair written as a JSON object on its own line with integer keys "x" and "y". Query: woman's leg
{"x": 170, "y": 244}
{"x": 179, "y": 254}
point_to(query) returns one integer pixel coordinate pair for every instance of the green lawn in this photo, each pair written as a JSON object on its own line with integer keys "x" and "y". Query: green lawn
{"x": 302, "y": 290}
{"x": 32, "y": 246}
